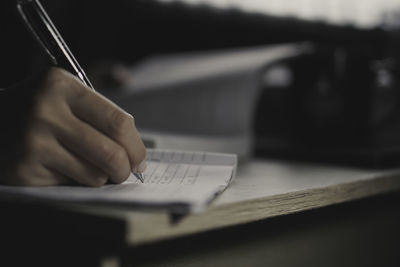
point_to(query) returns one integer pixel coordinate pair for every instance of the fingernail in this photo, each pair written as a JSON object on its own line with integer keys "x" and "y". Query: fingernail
{"x": 142, "y": 166}
{"x": 130, "y": 115}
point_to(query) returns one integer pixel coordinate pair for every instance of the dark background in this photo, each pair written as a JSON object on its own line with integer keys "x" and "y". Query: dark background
{"x": 127, "y": 31}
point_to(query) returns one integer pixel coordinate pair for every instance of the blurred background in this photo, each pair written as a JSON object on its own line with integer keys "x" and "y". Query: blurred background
{"x": 305, "y": 79}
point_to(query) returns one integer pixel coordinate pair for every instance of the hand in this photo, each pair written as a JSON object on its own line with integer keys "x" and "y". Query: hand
{"x": 77, "y": 135}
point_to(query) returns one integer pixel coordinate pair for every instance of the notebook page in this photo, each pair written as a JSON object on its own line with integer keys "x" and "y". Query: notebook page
{"x": 177, "y": 180}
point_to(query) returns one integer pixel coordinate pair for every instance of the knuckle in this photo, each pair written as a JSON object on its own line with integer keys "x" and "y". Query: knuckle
{"x": 38, "y": 147}
{"x": 48, "y": 112}
{"x": 114, "y": 155}
{"x": 60, "y": 81}
{"x": 77, "y": 90}
{"x": 118, "y": 165}
{"x": 33, "y": 144}
{"x": 120, "y": 123}
{"x": 55, "y": 71}
{"x": 42, "y": 110}
{"x": 53, "y": 74}
{"x": 55, "y": 79}
{"x": 46, "y": 120}
{"x": 114, "y": 159}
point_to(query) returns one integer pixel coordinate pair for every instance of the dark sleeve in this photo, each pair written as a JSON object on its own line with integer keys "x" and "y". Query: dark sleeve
{"x": 16, "y": 45}
{"x": 20, "y": 58}
{"x": 16, "y": 104}
{"x": 20, "y": 54}
{"x": 15, "y": 54}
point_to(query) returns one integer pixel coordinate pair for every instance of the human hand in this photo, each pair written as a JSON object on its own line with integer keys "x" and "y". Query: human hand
{"x": 77, "y": 135}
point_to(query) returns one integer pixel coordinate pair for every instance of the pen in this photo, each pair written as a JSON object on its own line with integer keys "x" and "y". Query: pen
{"x": 46, "y": 34}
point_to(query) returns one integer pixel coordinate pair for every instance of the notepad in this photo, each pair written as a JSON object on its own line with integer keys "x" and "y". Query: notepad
{"x": 180, "y": 181}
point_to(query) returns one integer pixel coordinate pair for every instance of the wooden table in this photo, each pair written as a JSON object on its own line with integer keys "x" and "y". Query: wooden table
{"x": 271, "y": 205}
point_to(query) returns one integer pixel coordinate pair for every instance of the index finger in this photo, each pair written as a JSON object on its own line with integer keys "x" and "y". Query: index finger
{"x": 110, "y": 119}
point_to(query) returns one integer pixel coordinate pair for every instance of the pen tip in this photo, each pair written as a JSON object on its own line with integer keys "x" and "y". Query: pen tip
{"x": 140, "y": 177}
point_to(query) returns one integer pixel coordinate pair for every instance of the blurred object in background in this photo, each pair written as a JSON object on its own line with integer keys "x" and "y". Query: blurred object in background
{"x": 201, "y": 101}
{"x": 342, "y": 105}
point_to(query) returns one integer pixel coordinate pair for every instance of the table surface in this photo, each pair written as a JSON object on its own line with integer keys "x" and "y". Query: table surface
{"x": 262, "y": 189}
{"x": 358, "y": 233}
{"x": 244, "y": 227}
